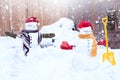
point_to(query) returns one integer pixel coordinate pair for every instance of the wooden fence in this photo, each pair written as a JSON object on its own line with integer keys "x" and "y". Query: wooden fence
{"x": 13, "y": 13}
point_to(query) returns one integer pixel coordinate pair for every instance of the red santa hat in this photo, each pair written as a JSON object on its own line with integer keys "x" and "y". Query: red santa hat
{"x": 84, "y": 24}
{"x": 31, "y": 19}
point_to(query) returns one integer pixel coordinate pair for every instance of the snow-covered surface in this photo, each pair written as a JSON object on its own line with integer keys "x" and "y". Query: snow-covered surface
{"x": 53, "y": 63}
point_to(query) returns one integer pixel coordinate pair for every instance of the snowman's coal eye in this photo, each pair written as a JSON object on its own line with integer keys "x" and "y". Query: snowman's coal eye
{"x": 28, "y": 25}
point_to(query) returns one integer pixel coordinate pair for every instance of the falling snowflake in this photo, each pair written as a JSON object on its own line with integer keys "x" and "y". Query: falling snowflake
{"x": 6, "y": 7}
{"x": 108, "y": 0}
{"x": 79, "y": 6}
{"x": 100, "y": 0}
{"x": 73, "y": 9}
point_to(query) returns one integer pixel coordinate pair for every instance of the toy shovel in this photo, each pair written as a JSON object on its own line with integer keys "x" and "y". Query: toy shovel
{"x": 108, "y": 55}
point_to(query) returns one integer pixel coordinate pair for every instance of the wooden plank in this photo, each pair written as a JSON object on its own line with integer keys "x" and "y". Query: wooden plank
{"x": 4, "y": 16}
{"x": 53, "y": 10}
{"x": 18, "y": 15}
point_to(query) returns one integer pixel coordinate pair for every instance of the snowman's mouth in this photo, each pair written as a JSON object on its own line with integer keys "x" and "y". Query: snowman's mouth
{"x": 87, "y": 31}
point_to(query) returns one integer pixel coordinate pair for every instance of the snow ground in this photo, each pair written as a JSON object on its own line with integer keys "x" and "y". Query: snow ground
{"x": 53, "y": 63}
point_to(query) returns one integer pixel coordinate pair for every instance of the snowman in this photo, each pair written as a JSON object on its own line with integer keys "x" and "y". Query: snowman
{"x": 30, "y": 35}
{"x": 86, "y": 47}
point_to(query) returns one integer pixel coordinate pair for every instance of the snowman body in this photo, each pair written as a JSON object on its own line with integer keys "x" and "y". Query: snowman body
{"x": 33, "y": 39}
{"x": 82, "y": 60}
{"x": 85, "y": 45}
{"x": 33, "y": 32}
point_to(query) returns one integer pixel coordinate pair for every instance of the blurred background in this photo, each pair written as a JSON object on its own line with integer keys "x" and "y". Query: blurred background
{"x": 13, "y": 13}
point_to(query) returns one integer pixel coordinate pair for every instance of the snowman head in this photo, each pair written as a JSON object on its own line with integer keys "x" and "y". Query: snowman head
{"x": 31, "y": 23}
{"x": 85, "y": 27}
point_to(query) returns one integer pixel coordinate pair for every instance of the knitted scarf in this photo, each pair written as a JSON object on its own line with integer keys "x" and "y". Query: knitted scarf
{"x": 26, "y": 39}
{"x": 94, "y": 44}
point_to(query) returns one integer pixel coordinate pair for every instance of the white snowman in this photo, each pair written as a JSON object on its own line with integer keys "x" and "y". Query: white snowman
{"x": 86, "y": 47}
{"x": 30, "y": 34}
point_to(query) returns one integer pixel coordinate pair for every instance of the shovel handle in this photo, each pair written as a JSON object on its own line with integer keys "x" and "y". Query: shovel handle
{"x": 105, "y": 21}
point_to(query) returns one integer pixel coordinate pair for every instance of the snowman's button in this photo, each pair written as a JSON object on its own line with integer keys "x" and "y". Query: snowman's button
{"x": 88, "y": 46}
{"x": 88, "y": 49}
